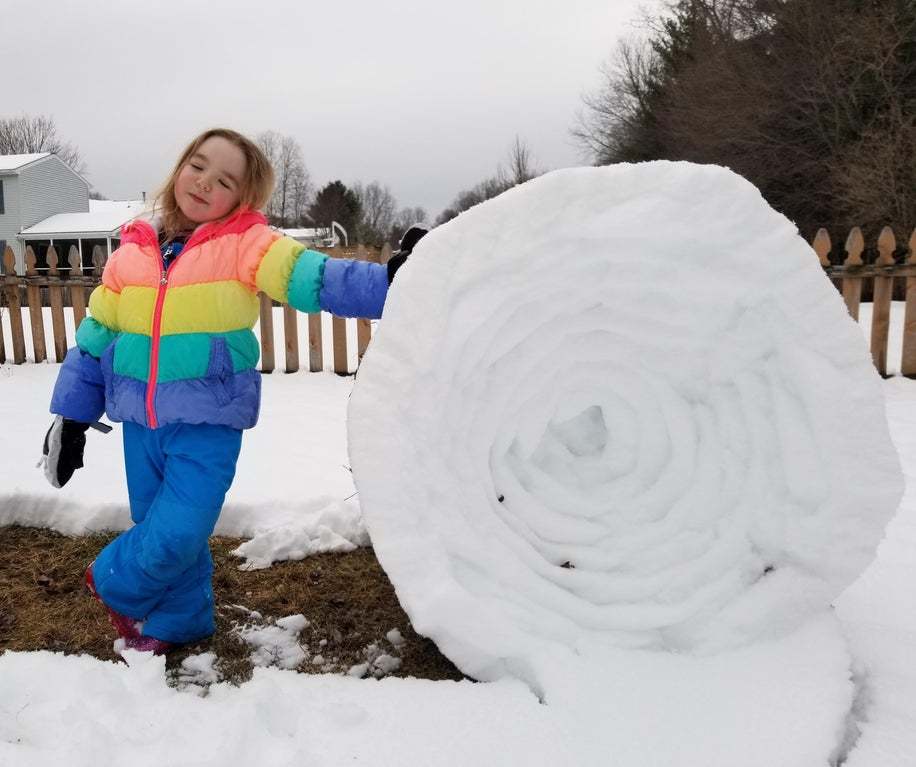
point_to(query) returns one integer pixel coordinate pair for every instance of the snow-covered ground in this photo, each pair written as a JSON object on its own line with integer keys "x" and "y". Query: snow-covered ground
{"x": 757, "y": 706}
{"x": 293, "y": 491}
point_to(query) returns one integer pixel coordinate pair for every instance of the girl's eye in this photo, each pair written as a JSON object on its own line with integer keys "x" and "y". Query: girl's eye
{"x": 196, "y": 167}
{"x": 224, "y": 183}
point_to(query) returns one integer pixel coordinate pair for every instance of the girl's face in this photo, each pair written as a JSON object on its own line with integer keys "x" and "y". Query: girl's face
{"x": 208, "y": 185}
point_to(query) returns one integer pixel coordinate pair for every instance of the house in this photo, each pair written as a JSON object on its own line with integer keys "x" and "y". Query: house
{"x": 33, "y": 187}
{"x": 101, "y": 226}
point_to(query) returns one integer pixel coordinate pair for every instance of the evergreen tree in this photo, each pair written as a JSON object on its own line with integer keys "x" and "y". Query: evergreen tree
{"x": 335, "y": 202}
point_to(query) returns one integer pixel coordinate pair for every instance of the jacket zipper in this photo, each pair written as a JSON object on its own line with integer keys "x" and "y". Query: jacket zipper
{"x": 154, "y": 340}
{"x": 146, "y": 235}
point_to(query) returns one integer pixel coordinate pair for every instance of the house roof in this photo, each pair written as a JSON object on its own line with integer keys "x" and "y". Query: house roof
{"x": 13, "y": 162}
{"x": 321, "y": 235}
{"x": 131, "y": 207}
{"x": 103, "y": 220}
{"x": 304, "y": 233}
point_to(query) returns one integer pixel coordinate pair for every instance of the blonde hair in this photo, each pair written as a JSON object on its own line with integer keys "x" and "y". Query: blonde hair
{"x": 255, "y": 187}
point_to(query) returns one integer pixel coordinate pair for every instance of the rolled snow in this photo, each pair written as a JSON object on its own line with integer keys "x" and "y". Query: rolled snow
{"x": 620, "y": 407}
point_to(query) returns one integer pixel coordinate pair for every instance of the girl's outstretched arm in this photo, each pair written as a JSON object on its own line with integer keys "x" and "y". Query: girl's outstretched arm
{"x": 311, "y": 281}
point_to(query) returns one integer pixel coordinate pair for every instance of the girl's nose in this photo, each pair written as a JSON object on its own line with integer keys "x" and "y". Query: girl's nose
{"x": 204, "y": 185}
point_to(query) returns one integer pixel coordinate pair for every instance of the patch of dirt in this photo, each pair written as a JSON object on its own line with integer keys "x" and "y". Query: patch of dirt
{"x": 347, "y": 598}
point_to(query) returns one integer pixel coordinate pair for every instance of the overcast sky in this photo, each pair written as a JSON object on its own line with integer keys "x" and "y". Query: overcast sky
{"x": 423, "y": 96}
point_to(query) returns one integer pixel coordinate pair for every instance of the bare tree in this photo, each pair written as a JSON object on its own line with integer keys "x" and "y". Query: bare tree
{"x": 379, "y": 207}
{"x": 517, "y": 170}
{"x": 293, "y": 188}
{"x": 616, "y": 122}
{"x": 269, "y": 142}
{"x": 519, "y": 167}
{"x": 405, "y": 219}
{"x": 874, "y": 173}
{"x": 811, "y": 100}
{"x": 876, "y": 178}
{"x": 301, "y": 189}
{"x": 27, "y": 134}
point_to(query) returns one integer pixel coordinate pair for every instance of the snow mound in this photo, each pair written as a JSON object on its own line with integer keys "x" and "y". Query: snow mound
{"x": 618, "y": 408}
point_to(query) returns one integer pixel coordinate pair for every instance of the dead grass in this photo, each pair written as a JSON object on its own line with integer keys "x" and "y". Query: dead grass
{"x": 347, "y": 599}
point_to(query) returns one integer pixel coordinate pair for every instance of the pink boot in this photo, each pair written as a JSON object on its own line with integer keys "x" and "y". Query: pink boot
{"x": 149, "y": 644}
{"x": 126, "y": 627}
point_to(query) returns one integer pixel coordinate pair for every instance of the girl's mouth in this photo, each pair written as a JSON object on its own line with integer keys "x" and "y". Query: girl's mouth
{"x": 199, "y": 200}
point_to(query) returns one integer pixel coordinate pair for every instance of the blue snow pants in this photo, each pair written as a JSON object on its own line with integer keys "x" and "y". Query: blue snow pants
{"x": 159, "y": 570}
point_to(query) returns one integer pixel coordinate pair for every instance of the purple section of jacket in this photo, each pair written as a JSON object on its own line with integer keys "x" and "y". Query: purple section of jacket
{"x": 79, "y": 392}
{"x": 354, "y": 288}
{"x": 221, "y": 398}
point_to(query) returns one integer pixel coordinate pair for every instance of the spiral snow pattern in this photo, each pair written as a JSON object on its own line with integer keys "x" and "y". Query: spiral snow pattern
{"x": 618, "y": 406}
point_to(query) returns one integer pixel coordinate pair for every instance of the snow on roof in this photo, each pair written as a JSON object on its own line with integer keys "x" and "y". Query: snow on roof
{"x": 106, "y": 221}
{"x": 10, "y": 162}
{"x": 294, "y": 233}
{"x": 126, "y": 206}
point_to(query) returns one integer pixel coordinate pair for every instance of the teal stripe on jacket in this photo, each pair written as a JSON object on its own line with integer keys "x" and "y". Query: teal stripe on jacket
{"x": 93, "y": 337}
{"x": 184, "y": 355}
{"x": 305, "y": 283}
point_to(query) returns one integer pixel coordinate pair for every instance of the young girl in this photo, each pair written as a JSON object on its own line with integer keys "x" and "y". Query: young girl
{"x": 169, "y": 350}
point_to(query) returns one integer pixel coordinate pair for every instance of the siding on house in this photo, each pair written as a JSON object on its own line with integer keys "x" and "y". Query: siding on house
{"x": 48, "y": 187}
{"x": 10, "y": 224}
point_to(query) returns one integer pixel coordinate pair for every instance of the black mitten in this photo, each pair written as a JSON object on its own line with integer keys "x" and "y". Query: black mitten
{"x": 411, "y": 237}
{"x": 62, "y": 453}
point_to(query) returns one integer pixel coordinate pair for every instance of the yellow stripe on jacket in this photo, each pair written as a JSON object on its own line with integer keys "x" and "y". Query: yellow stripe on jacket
{"x": 212, "y": 307}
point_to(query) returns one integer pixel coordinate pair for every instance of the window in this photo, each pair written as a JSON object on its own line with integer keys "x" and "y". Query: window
{"x": 1, "y": 197}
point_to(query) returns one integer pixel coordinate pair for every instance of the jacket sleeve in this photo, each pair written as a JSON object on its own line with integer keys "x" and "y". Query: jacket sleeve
{"x": 79, "y": 392}
{"x": 310, "y": 281}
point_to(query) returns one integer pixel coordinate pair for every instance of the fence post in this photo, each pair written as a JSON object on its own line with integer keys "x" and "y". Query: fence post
{"x": 822, "y": 245}
{"x": 881, "y": 301}
{"x": 99, "y": 257}
{"x": 267, "y": 333}
{"x": 852, "y": 286}
{"x": 339, "y": 335}
{"x": 291, "y": 338}
{"x": 11, "y": 290}
{"x": 908, "y": 356}
{"x": 316, "y": 352}
{"x": 57, "y": 306}
{"x": 36, "y": 316}
{"x": 77, "y": 291}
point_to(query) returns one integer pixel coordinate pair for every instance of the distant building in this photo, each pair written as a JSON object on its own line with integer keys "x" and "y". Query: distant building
{"x": 315, "y": 238}
{"x": 33, "y": 187}
{"x": 100, "y": 226}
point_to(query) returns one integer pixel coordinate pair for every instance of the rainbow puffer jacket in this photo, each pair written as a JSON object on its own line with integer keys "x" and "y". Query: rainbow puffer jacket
{"x": 176, "y": 345}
